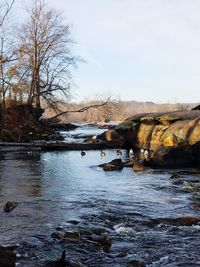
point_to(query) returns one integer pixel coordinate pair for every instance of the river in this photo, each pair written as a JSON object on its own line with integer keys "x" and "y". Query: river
{"x": 64, "y": 191}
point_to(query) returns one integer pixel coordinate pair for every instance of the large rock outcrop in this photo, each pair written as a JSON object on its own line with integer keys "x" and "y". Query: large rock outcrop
{"x": 152, "y": 130}
{"x": 172, "y": 157}
{"x": 172, "y": 138}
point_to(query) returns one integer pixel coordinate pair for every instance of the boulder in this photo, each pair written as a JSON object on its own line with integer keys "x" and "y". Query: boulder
{"x": 136, "y": 263}
{"x": 58, "y": 235}
{"x": 9, "y": 206}
{"x": 138, "y": 167}
{"x": 113, "y": 165}
{"x": 180, "y": 221}
{"x": 103, "y": 240}
{"x": 112, "y": 138}
{"x": 129, "y": 163}
{"x": 91, "y": 140}
{"x": 196, "y": 152}
{"x": 187, "y": 221}
{"x": 154, "y": 130}
{"x": 7, "y": 256}
{"x": 172, "y": 157}
{"x": 99, "y": 240}
{"x": 175, "y": 175}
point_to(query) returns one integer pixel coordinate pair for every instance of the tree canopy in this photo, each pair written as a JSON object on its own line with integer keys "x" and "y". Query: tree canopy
{"x": 37, "y": 68}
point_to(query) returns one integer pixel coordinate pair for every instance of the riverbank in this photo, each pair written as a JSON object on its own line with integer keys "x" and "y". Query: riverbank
{"x": 43, "y": 146}
{"x": 22, "y": 123}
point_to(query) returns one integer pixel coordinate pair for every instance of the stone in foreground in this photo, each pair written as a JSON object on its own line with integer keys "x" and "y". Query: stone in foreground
{"x": 114, "y": 165}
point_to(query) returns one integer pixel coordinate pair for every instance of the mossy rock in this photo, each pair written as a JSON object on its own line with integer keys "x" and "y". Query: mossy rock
{"x": 149, "y": 119}
{"x": 166, "y": 119}
{"x": 127, "y": 126}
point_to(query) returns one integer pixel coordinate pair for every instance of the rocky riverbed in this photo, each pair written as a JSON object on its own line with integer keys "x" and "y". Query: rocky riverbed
{"x": 119, "y": 218}
{"x": 103, "y": 208}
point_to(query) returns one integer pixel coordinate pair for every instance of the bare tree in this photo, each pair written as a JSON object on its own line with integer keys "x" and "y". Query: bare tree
{"x": 6, "y": 50}
{"x": 45, "y": 52}
{"x": 93, "y": 109}
{"x": 182, "y": 106}
{"x": 5, "y": 7}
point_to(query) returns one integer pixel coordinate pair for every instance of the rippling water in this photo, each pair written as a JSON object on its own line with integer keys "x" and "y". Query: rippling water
{"x": 79, "y": 134}
{"x": 62, "y": 190}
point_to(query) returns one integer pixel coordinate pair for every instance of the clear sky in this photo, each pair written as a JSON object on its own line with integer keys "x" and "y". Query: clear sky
{"x": 146, "y": 50}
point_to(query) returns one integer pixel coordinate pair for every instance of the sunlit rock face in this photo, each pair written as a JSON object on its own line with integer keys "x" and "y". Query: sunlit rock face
{"x": 112, "y": 138}
{"x": 171, "y": 139}
{"x": 150, "y": 131}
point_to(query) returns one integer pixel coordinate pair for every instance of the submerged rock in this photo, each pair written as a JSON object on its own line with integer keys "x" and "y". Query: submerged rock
{"x": 100, "y": 241}
{"x": 75, "y": 222}
{"x": 180, "y": 221}
{"x": 9, "y": 206}
{"x": 7, "y": 256}
{"x": 187, "y": 221}
{"x": 175, "y": 175}
{"x": 58, "y": 235}
{"x": 136, "y": 263}
{"x": 103, "y": 240}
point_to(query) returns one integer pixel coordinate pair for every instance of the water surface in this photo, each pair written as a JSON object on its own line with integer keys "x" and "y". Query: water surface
{"x": 56, "y": 189}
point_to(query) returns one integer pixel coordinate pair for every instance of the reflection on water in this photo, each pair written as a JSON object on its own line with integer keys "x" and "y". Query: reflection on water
{"x": 55, "y": 188}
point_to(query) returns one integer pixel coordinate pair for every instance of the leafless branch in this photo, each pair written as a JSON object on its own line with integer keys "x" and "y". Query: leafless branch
{"x": 85, "y": 108}
{"x": 7, "y": 10}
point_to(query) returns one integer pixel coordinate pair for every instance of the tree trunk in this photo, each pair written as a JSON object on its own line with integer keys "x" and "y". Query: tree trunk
{"x": 38, "y": 89}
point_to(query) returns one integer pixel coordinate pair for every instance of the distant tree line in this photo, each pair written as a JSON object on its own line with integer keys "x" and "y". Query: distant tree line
{"x": 35, "y": 57}
{"x": 117, "y": 110}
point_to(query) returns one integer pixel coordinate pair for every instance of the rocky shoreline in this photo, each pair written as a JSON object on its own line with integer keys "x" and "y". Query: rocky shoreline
{"x": 172, "y": 140}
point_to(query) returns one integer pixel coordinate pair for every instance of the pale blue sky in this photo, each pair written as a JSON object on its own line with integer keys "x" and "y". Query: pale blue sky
{"x": 146, "y": 50}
